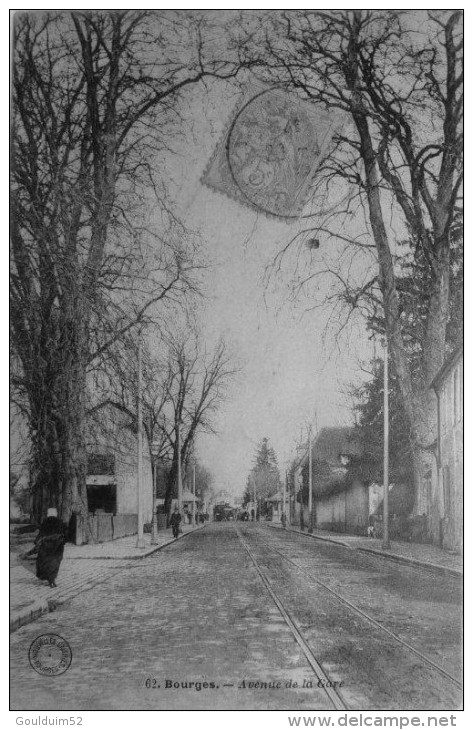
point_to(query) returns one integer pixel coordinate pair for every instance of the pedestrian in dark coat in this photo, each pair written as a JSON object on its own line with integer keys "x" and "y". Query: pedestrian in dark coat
{"x": 50, "y": 547}
{"x": 175, "y": 522}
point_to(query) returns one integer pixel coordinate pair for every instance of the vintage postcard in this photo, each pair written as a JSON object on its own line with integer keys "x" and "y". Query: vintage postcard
{"x": 236, "y": 421}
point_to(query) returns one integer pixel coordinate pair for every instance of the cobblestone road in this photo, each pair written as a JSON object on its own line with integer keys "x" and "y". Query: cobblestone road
{"x": 197, "y": 612}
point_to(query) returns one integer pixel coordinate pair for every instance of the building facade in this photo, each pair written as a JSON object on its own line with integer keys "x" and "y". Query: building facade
{"x": 112, "y": 481}
{"x": 447, "y": 465}
{"x": 340, "y": 499}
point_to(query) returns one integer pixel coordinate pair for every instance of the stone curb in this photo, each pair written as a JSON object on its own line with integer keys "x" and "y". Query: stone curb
{"x": 153, "y": 548}
{"x": 20, "y": 618}
{"x": 434, "y": 567}
{"x": 144, "y": 554}
{"x": 37, "y": 609}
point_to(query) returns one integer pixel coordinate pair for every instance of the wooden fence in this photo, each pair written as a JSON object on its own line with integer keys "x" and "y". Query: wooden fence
{"x": 106, "y": 527}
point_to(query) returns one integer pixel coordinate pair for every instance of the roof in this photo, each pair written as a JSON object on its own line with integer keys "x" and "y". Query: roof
{"x": 449, "y": 363}
{"x": 331, "y": 442}
{"x": 330, "y": 475}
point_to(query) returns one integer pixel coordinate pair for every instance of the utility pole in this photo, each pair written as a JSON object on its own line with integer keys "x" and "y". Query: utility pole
{"x": 254, "y": 494}
{"x": 140, "y": 541}
{"x": 311, "y": 521}
{"x": 284, "y": 516}
{"x": 193, "y": 493}
{"x": 386, "y": 544}
{"x": 154, "y": 524}
{"x": 179, "y": 475}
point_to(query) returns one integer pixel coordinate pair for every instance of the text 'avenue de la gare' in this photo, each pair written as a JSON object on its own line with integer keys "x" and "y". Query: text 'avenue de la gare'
{"x": 243, "y": 684}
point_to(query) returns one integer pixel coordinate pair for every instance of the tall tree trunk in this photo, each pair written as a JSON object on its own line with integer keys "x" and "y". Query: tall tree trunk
{"x": 170, "y": 489}
{"x": 45, "y": 469}
{"x": 59, "y": 455}
{"x": 418, "y": 402}
{"x": 73, "y": 451}
{"x": 73, "y": 411}
{"x": 438, "y": 310}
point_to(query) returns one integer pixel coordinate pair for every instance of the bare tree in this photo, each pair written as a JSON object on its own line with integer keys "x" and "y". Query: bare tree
{"x": 195, "y": 392}
{"x": 392, "y": 175}
{"x": 204, "y": 480}
{"x": 112, "y": 407}
{"x": 95, "y": 103}
{"x": 183, "y": 383}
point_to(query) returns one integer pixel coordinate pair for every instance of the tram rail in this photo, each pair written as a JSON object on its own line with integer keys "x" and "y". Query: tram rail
{"x": 334, "y": 695}
{"x": 347, "y": 603}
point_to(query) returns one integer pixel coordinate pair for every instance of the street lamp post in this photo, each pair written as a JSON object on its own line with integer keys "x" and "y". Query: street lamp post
{"x": 179, "y": 475}
{"x": 154, "y": 524}
{"x": 193, "y": 493}
{"x": 140, "y": 542}
{"x": 311, "y": 521}
{"x": 284, "y": 488}
{"x": 386, "y": 543}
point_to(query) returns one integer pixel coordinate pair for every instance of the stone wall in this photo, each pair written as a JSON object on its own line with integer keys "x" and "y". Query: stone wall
{"x": 346, "y": 511}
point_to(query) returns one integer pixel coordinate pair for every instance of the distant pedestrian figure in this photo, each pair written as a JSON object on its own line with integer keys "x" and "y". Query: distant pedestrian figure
{"x": 50, "y": 547}
{"x": 302, "y": 519}
{"x": 252, "y": 515}
{"x": 175, "y": 522}
{"x": 283, "y": 519}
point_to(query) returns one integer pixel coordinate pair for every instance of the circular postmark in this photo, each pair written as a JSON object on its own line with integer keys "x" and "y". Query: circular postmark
{"x": 50, "y": 654}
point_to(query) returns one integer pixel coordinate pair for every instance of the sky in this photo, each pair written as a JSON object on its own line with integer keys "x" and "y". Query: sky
{"x": 290, "y": 374}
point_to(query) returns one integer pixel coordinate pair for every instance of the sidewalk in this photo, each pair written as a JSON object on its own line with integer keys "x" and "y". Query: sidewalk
{"x": 430, "y": 557}
{"x": 82, "y": 568}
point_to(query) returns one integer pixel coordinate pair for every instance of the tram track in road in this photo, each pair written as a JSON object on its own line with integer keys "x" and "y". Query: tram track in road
{"x": 334, "y": 695}
{"x": 360, "y": 612}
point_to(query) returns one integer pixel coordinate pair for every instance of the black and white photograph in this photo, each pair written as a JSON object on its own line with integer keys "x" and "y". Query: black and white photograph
{"x": 236, "y": 364}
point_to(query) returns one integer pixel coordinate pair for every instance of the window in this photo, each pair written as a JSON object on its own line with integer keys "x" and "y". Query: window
{"x": 444, "y": 408}
{"x": 100, "y": 464}
{"x": 457, "y": 396}
{"x": 450, "y": 400}
{"x": 446, "y": 490}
